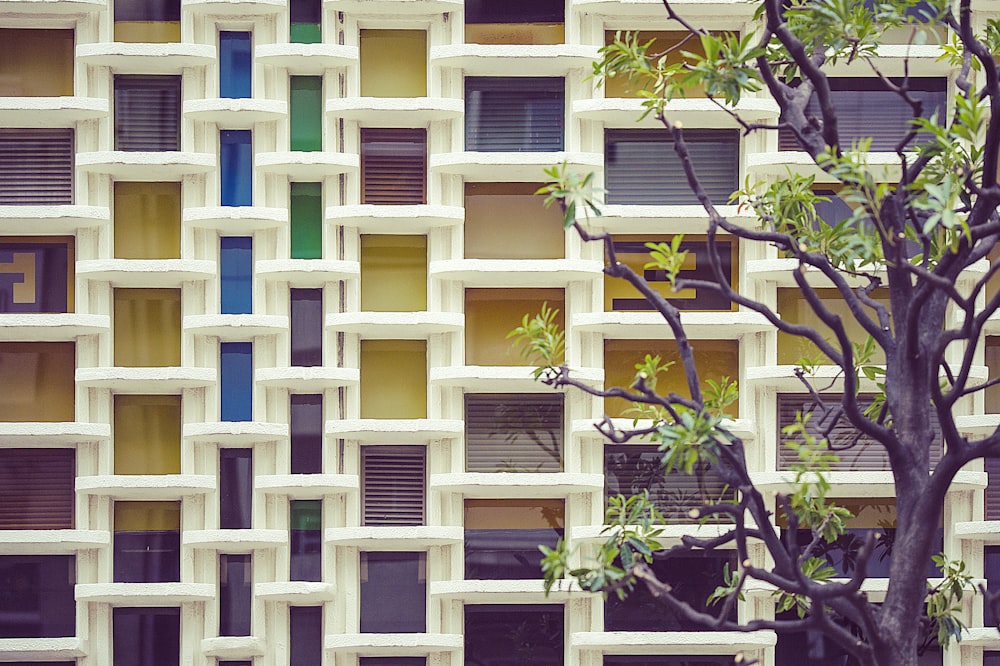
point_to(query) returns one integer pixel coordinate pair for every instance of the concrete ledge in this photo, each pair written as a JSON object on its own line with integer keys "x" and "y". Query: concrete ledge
{"x": 52, "y": 219}
{"x": 672, "y": 642}
{"x": 671, "y": 533}
{"x": 295, "y": 592}
{"x": 394, "y": 538}
{"x": 235, "y": 113}
{"x": 145, "y": 594}
{"x": 395, "y": 431}
{"x": 145, "y": 380}
{"x": 132, "y": 58}
{"x": 50, "y": 111}
{"x": 395, "y": 111}
{"x": 235, "y": 219}
{"x": 512, "y": 167}
{"x": 54, "y": 433}
{"x": 694, "y": 112}
{"x": 504, "y": 379}
{"x": 231, "y": 433}
{"x": 44, "y": 327}
{"x": 235, "y": 541}
{"x": 516, "y": 272}
{"x": 51, "y": 542}
{"x": 145, "y": 166}
{"x": 410, "y": 219}
{"x": 652, "y": 219}
{"x": 51, "y": 7}
{"x": 233, "y": 647}
{"x": 233, "y": 327}
{"x": 514, "y": 59}
{"x": 306, "y": 272}
{"x": 517, "y": 484}
{"x": 146, "y": 486}
{"x": 306, "y": 380}
{"x": 306, "y": 58}
{"x": 146, "y": 272}
{"x": 394, "y": 7}
{"x": 504, "y": 591}
{"x": 987, "y": 531}
{"x": 651, "y": 326}
{"x": 402, "y": 645}
{"x": 653, "y": 9}
{"x": 238, "y": 8}
{"x": 395, "y": 325}
{"x": 584, "y": 428}
{"x": 860, "y": 484}
{"x": 306, "y": 486}
{"x": 41, "y": 649}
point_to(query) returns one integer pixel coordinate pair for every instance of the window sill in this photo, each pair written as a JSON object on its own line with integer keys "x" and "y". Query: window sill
{"x": 884, "y": 166}
{"x": 145, "y": 166}
{"x": 146, "y": 272}
{"x": 395, "y": 538}
{"x": 503, "y": 379}
{"x": 138, "y": 58}
{"x": 306, "y": 272}
{"x": 393, "y": 325}
{"x": 121, "y": 380}
{"x": 395, "y": 431}
{"x": 51, "y": 542}
{"x": 42, "y": 649}
{"x": 52, "y": 219}
{"x": 239, "y": 8}
{"x": 235, "y": 113}
{"x": 235, "y": 541}
{"x": 145, "y": 594}
{"x": 406, "y": 112}
{"x": 233, "y": 647}
{"x": 395, "y": 645}
{"x": 235, "y": 433}
{"x": 514, "y": 60}
{"x": 395, "y": 7}
{"x": 146, "y": 486}
{"x": 296, "y": 593}
{"x": 300, "y": 379}
{"x": 860, "y": 484}
{"x": 504, "y": 591}
{"x": 626, "y": 325}
{"x": 51, "y": 327}
{"x": 516, "y": 272}
{"x": 306, "y": 486}
{"x": 306, "y": 58}
{"x": 306, "y": 165}
{"x": 235, "y": 219}
{"x": 236, "y": 328}
{"x": 514, "y": 167}
{"x": 672, "y": 642}
{"x": 502, "y": 485}
{"x": 653, "y": 9}
{"x": 678, "y": 219}
{"x": 50, "y": 111}
{"x": 622, "y": 112}
{"x": 419, "y": 218}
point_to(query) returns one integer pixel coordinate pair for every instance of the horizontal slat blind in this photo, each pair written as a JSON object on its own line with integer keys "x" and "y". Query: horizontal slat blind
{"x": 36, "y": 167}
{"x": 37, "y": 489}
{"x": 392, "y": 480}
{"x": 631, "y": 468}
{"x": 520, "y": 114}
{"x": 393, "y": 166}
{"x": 147, "y": 113}
{"x": 865, "y": 108}
{"x": 993, "y": 489}
{"x": 865, "y": 455}
{"x": 642, "y": 168}
{"x": 513, "y": 433}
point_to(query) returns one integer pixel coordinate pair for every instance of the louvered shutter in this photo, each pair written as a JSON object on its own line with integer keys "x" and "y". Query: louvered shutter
{"x": 36, "y": 167}
{"x": 520, "y": 114}
{"x": 147, "y": 113}
{"x": 866, "y": 455}
{"x": 392, "y": 485}
{"x": 993, "y": 489}
{"x": 631, "y": 468}
{"x": 641, "y": 167}
{"x": 866, "y": 109}
{"x": 514, "y": 433}
{"x": 393, "y": 166}
{"x": 37, "y": 488}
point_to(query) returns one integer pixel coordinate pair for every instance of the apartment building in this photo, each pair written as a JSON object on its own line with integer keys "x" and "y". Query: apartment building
{"x": 258, "y": 260}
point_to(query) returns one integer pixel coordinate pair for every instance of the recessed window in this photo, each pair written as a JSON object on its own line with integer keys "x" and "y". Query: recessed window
{"x": 392, "y": 661}
{"x": 235, "y": 489}
{"x": 393, "y": 273}
{"x": 36, "y": 596}
{"x": 147, "y": 112}
{"x": 36, "y": 63}
{"x": 147, "y": 327}
{"x": 393, "y": 379}
{"x": 236, "y": 167}
{"x": 236, "y": 381}
{"x": 37, "y": 274}
{"x": 668, "y": 660}
{"x": 496, "y": 633}
{"x": 515, "y": 114}
{"x": 147, "y": 219}
{"x": 393, "y": 593}
{"x": 146, "y": 636}
{"x": 306, "y": 220}
{"x": 490, "y": 314}
{"x": 39, "y": 382}
{"x": 37, "y": 489}
{"x": 393, "y": 166}
{"x": 306, "y": 540}
{"x": 393, "y": 479}
{"x": 147, "y": 542}
{"x": 304, "y": 21}
{"x": 511, "y": 432}
{"x": 149, "y": 21}
{"x": 641, "y": 167}
{"x": 306, "y": 426}
{"x": 305, "y": 112}
{"x": 795, "y": 309}
{"x": 502, "y": 536}
{"x": 514, "y": 22}
{"x": 147, "y": 434}
{"x": 498, "y": 216}
{"x": 667, "y": 44}
{"x": 235, "y": 594}
{"x": 306, "y": 334}
{"x": 36, "y": 167}
{"x": 393, "y": 63}
{"x": 305, "y": 635}
{"x": 235, "y": 64}
{"x": 236, "y": 274}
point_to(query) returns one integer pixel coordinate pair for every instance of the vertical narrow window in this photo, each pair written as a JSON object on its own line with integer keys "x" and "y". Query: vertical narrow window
{"x": 393, "y": 166}
{"x": 147, "y": 434}
{"x": 38, "y": 381}
{"x": 235, "y": 595}
{"x": 147, "y": 112}
{"x": 515, "y": 114}
{"x": 235, "y": 489}
{"x": 394, "y": 273}
{"x": 393, "y": 593}
{"x": 491, "y": 313}
{"x": 147, "y": 542}
{"x": 305, "y": 112}
{"x": 37, "y": 489}
{"x": 393, "y": 63}
{"x": 235, "y": 64}
{"x": 306, "y": 327}
{"x": 147, "y": 327}
{"x": 147, "y": 219}
{"x": 532, "y": 632}
{"x": 393, "y": 479}
{"x": 305, "y": 635}
{"x": 236, "y": 381}
{"x": 306, "y": 416}
{"x": 236, "y": 167}
{"x": 36, "y": 167}
{"x": 36, "y": 596}
{"x": 36, "y": 62}
{"x": 149, "y": 21}
{"x": 306, "y": 220}
{"x": 236, "y": 274}
{"x": 393, "y": 379}
{"x": 306, "y": 540}
{"x": 146, "y": 636}
{"x": 502, "y": 536}
{"x": 305, "y": 17}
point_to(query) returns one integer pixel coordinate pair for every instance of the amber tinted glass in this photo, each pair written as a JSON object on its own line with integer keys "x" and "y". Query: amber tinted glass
{"x": 499, "y": 216}
{"x": 147, "y": 434}
{"x": 393, "y": 379}
{"x": 147, "y": 327}
{"x": 36, "y": 63}
{"x": 147, "y": 220}
{"x": 38, "y": 381}
{"x": 491, "y": 313}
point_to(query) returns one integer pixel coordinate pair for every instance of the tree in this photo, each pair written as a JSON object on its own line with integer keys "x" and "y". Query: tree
{"x": 916, "y": 233}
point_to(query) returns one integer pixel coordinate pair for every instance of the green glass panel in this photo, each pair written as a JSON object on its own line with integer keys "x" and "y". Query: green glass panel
{"x": 305, "y": 33}
{"x": 307, "y": 220}
{"x": 306, "y": 514}
{"x": 306, "y": 102}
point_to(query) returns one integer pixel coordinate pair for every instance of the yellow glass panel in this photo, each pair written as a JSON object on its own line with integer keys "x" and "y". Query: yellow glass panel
{"x": 669, "y": 43}
{"x": 793, "y": 308}
{"x": 499, "y": 216}
{"x": 148, "y": 32}
{"x": 147, "y": 516}
{"x": 393, "y": 273}
{"x": 515, "y": 33}
{"x": 393, "y": 63}
{"x": 993, "y": 284}
{"x": 147, "y": 434}
{"x": 992, "y": 394}
{"x": 869, "y": 513}
{"x": 393, "y": 379}
{"x": 38, "y": 381}
{"x": 507, "y": 514}
{"x": 147, "y": 220}
{"x": 490, "y": 314}
{"x": 147, "y": 327}
{"x": 616, "y": 288}
{"x": 716, "y": 359}
{"x": 36, "y": 63}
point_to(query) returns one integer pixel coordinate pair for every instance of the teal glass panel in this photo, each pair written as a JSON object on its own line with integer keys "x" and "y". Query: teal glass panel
{"x": 306, "y": 112}
{"x": 307, "y": 220}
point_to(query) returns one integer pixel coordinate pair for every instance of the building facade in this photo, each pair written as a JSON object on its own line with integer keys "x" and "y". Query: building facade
{"x": 258, "y": 261}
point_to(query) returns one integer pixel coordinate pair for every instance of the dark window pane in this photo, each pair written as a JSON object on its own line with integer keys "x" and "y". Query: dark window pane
{"x": 147, "y": 10}
{"x": 236, "y": 274}
{"x": 306, "y": 540}
{"x": 392, "y": 485}
{"x": 36, "y": 167}
{"x": 307, "y": 327}
{"x": 307, "y": 433}
{"x": 36, "y": 596}
{"x": 514, "y": 11}
{"x": 305, "y": 635}
{"x": 514, "y": 114}
{"x": 236, "y": 167}
{"x": 635, "y": 253}
{"x": 499, "y": 635}
{"x": 991, "y": 658}
{"x": 235, "y": 595}
{"x": 305, "y": 112}
{"x": 392, "y": 661}
{"x": 671, "y": 660}
{"x": 306, "y": 219}
{"x": 502, "y": 536}
{"x": 146, "y": 636}
{"x": 37, "y": 489}
{"x": 842, "y": 554}
{"x": 513, "y": 433}
{"x": 393, "y": 166}
{"x": 235, "y": 64}
{"x": 305, "y": 16}
{"x": 236, "y": 381}
{"x": 235, "y": 489}
{"x": 35, "y": 274}
{"x": 147, "y": 112}
{"x": 393, "y": 593}
{"x": 147, "y": 542}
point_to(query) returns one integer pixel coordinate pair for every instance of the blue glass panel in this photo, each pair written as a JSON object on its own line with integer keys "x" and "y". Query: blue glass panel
{"x": 235, "y": 64}
{"x": 236, "y": 271}
{"x": 236, "y": 167}
{"x": 236, "y": 381}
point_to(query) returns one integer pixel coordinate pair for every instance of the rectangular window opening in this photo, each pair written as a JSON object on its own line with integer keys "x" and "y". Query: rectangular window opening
{"x": 393, "y": 166}
{"x": 236, "y": 381}
{"x": 305, "y": 17}
{"x": 511, "y": 432}
{"x": 502, "y": 536}
{"x": 306, "y": 326}
{"x": 147, "y": 542}
{"x": 236, "y": 167}
{"x": 490, "y": 314}
{"x": 147, "y": 328}
{"x": 36, "y": 62}
{"x": 235, "y": 594}
{"x": 393, "y": 482}
{"x": 37, "y": 489}
{"x": 235, "y": 64}
{"x": 147, "y": 436}
{"x": 146, "y": 636}
{"x": 147, "y": 112}
{"x": 306, "y": 540}
{"x": 535, "y": 633}
{"x": 306, "y": 418}
{"x": 236, "y": 275}
{"x": 305, "y": 112}
{"x": 36, "y": 166}
{"x": 514, "y": 114}
{"x": 39, "y": 382}
{"x": 36, "y": 596}
{"x": 393, "y": 593}
{"x": 37, "y": 273}
{"x": 235, "y": 489}
{"x": 514, "y": 22}
{"x": 393, "y": 63}
{"x": 147, "y": 21}
{"x": 147, "y": 220}
{"x": 393, "y": 273}
{"x": 306, "y": 220}
{"x": 499, "y": 215}
{"x": 393, "y": 379}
